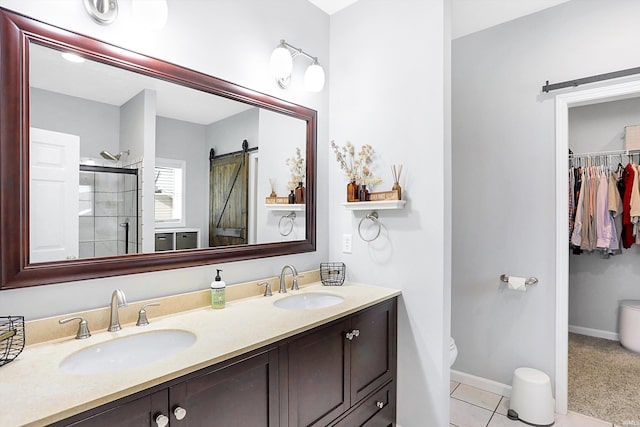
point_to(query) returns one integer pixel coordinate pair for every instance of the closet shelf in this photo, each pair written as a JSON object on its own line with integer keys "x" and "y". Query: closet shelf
{"x": 374, "y": 206}
{"x": 297, "y": 207}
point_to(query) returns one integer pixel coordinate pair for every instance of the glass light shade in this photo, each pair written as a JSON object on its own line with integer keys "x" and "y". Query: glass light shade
{"x": 151, "y": 14}
{"x": 314, "y": 78}
{"x": 281, "y": 63}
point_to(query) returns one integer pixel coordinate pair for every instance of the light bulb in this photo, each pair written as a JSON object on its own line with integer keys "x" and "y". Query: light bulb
{"x": 151, "y": 14}
{"x": 314, "y": 78}
{"x": 281, "y": 62}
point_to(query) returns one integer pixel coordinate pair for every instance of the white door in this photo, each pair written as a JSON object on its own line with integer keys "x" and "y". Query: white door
{"x": 53, "y": 196}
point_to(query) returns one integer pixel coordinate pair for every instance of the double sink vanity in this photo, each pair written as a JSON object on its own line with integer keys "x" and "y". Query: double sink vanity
{"x": 314, "y": 357}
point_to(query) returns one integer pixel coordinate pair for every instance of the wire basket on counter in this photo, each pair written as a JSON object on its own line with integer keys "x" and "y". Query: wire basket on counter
{"x": 332, "y": 273}
{"x": 11, "y": 338}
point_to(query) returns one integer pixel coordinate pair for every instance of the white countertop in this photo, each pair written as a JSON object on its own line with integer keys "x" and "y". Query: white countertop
{"x": 34, "y": 391}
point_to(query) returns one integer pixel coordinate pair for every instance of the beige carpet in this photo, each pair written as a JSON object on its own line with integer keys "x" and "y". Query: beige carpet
{"x": 604, "y": 380}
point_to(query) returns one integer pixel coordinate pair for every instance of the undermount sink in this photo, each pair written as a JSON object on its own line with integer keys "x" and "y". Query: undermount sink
{"x": 128, "y": 352}
{"x": 308, "y": 301}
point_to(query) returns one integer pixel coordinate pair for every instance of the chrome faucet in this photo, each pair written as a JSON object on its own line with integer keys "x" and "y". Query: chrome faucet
{"x": 283, "y": 285}
{"x": 117, "y": 300}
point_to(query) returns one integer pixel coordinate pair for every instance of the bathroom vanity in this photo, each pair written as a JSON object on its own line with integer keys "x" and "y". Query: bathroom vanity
{"x": 316, "y": 378}
{"x": 253, "y": 364}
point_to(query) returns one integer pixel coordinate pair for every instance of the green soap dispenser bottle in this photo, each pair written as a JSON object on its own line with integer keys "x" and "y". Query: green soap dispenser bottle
{"x": 218, "y": 298}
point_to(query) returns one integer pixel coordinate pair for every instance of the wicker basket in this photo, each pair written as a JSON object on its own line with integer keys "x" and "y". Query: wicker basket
{"x": 11, "y": 338}
{"x": 332, "y": 273}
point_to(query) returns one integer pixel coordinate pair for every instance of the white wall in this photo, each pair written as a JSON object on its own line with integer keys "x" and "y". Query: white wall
{"x": 388, "y": 90}
{"x": 504, "y": 173}
{"x": 96, "y": 124}
{"x": 230, "y": 39}
{"x": 180, "y": 140}
{"x": 597, "y": 285}
{"x": 273, "y": 165}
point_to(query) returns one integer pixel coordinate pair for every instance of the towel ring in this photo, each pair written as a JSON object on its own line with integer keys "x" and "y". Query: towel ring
{"x": 373, "y": 217}
{"x": 291, "y": 217}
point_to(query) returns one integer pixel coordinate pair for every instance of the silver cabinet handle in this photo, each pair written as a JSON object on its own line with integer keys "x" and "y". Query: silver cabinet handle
{"x": 380, "y": 404}
{"x": 162, "y": 420}
{"x": 353, "y": 334}
{"x": 179, "y": 413}
{"x": 83, "y": 327}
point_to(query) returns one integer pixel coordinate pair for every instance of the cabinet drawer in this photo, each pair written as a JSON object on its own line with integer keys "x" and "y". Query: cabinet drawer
{"x": 375, "y": 411}
{"x": 186, "y": 240}
{"x": 164, "y": 242}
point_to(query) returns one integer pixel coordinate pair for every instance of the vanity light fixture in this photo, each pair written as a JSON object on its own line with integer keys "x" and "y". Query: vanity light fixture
{"x": 104, "y": 12}
{"x": 281, "y": 65}
{"x": 149, "y": 13}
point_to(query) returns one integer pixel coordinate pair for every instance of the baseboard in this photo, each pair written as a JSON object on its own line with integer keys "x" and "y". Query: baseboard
{"x": 594, "y": 333}
{"x": 481, "y": 383}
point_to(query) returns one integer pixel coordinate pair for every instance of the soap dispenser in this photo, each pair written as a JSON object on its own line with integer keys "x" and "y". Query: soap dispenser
{"x": 218, "y": 291}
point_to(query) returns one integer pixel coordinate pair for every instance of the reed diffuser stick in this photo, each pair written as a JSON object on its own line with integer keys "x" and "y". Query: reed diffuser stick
{"x": 397, "y": 171}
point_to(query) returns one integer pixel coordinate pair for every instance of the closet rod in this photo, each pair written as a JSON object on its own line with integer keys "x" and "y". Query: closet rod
{"x": 592, "y": 79}
{"x": 604, "y": 153}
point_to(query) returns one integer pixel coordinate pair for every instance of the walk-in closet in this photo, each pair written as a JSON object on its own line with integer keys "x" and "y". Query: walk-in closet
{"x": 604, "y": 260}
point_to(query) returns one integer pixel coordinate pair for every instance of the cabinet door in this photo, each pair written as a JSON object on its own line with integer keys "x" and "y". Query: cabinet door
{"x": 318, "y": 384}
{"x": 240, "y": 395}
{"x": 137, "y": 413}
{"x": 373, "y": 350}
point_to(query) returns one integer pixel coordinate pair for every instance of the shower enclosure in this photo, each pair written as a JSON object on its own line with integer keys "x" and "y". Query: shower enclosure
{"x": 109, "y": 217}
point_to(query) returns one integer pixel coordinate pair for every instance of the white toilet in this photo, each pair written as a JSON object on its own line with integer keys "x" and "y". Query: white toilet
{"x": 630, "y": 325}
{"x": 453, "y": 351}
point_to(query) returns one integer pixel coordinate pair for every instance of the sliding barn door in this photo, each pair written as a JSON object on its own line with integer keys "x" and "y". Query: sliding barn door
{"x": 228, "y": 197}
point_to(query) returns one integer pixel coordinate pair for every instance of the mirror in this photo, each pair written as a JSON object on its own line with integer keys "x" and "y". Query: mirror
{"x": 166, "y": 168}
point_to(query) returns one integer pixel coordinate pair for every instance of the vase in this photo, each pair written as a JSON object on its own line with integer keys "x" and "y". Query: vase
{"x": 363, "y": 193}
{"x": 352, "y": 191}
{"x": 396, "y": 186}
{"x": 299, "y": 193}
{"x": 292, "y": 198}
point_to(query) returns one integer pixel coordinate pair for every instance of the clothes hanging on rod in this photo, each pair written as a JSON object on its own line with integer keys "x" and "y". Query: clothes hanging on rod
{"x": 604, "y": 202}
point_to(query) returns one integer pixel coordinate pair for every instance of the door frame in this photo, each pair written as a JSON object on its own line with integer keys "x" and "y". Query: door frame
{"x": 564, "y": 101}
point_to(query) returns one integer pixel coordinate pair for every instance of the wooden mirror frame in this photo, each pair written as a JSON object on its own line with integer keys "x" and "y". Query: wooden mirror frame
{"x": 16, "y": 33}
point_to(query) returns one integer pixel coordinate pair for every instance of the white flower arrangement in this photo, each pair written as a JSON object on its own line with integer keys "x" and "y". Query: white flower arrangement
{"x": 297, "y": 167}
{"x": 356, "y": 167}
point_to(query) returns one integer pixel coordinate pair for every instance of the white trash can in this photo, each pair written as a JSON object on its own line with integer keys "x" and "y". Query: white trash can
{"x": 531, "y": 398}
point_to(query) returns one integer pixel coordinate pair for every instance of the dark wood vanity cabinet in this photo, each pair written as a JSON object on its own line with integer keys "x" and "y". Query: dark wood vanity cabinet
{"x": 337, "y": 367}
{"x": 140, "y": 411}
{"x": 240, "y": 392}
{"x": 341, "y": 374}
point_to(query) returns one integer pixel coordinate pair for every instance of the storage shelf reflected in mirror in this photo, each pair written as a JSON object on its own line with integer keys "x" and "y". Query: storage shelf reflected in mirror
{"x": 285, "y": 207}
{"x": 375, "y": 206}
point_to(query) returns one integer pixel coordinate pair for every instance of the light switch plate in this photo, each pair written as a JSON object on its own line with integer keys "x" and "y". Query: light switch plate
{"x": 346, "y": 243}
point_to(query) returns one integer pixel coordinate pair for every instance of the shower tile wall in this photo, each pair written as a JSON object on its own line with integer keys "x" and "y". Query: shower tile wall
{"x": 106, "y": 201}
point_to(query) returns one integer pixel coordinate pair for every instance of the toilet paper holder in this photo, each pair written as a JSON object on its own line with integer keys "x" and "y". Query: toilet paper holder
{"x": 529, "y": 282}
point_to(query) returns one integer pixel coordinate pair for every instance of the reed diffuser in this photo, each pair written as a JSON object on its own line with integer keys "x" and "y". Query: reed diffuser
{"x": 272, "y": 183}
{"x": 397, "y": 171}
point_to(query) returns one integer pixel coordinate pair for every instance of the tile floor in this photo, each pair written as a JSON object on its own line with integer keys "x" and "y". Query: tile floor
{"x": 473, "y": 407}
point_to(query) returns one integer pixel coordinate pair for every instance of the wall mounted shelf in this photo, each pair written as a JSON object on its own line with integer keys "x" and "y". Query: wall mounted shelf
{"x": 374, "y": 206}
{"x": 298, "y": 207}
